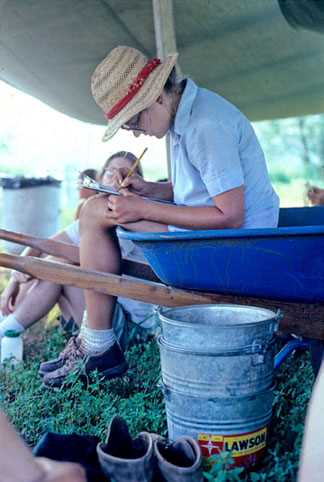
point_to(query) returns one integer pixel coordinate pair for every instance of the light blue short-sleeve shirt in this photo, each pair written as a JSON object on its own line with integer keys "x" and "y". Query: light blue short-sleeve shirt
{"x": 214, "y": 149}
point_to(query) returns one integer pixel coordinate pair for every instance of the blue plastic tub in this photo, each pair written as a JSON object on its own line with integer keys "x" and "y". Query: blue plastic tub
{"x": 285, "y": 263}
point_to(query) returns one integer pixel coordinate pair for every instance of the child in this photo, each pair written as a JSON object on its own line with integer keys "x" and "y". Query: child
{"x": 25, "y": 301}
{"x": 219, "y": 180}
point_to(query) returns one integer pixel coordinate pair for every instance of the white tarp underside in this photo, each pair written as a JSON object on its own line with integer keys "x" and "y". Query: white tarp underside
{"x": 243, "y": 49}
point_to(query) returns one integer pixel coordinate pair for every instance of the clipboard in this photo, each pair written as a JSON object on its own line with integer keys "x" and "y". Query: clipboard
{"x": 89, "y": 183}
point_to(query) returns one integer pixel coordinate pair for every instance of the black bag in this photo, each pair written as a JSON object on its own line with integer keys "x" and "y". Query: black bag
{"x": 80, "y": 449}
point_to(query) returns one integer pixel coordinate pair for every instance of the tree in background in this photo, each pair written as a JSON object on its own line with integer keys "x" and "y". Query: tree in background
{"x": 294, "y": 147}
{"x": 3, "y": 145}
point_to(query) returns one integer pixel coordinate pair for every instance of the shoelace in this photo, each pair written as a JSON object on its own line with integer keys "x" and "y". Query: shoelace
{"x": 73, "y": 355}
{"x": 72, "y": 344}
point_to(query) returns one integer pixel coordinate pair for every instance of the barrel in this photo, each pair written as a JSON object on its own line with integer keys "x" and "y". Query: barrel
{"x": 30, "y": 206}
{"x": 217, "y": 376}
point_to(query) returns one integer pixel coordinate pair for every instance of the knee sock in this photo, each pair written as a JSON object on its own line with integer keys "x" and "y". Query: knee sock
{"x": 96, "y": 341}
{"x": 10, "y": 322}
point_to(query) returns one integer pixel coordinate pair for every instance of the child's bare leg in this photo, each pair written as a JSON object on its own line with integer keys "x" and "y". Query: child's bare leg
{"x": 72, "y": 304}
{"x": 37, "y": 302}
{"x": 96, "y": 343}
{"x": 99, "y": 250}
{"x": 24, "y": 288}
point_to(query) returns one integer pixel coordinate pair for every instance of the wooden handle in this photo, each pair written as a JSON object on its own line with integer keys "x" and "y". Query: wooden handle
{"x": 302, "y": 319}
{"x": 112, "y": 284}
{"x": 59, "y": 249}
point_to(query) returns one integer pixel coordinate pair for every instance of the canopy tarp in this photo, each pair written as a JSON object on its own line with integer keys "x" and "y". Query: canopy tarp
{"x": 243, "y": 49}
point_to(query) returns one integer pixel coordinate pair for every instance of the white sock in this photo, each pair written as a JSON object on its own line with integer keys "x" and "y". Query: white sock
{"x": 10, "y": 322}
{"x": 96, "y": 341}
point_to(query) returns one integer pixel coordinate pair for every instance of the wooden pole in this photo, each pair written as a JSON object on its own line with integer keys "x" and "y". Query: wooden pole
{"x": 49, "y": 246}
{"x": 302, "y": 319}
{"x": 165, "y": 40}
{"x": 112, "y": 284}
{"x": 165, "y": 36}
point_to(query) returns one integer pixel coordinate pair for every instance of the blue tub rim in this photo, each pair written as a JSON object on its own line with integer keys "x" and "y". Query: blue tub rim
{"x": 219, "y": 233}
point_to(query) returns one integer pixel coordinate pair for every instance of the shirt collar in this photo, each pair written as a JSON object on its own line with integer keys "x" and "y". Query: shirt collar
{"x": 185, "y": 107}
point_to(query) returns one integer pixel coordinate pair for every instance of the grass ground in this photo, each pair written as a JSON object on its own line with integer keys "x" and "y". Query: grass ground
{"x": 137, "y": 397}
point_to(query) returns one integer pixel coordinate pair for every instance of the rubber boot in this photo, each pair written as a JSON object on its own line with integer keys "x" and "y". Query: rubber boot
{"x": 124, "y": 459}
{"x": 179, "y": 461}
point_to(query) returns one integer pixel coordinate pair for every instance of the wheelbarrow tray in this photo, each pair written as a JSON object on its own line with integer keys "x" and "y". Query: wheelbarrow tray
{"x": 284, "y": 263}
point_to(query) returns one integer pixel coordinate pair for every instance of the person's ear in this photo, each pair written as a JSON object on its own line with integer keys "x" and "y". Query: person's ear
{"x": 163, "y": 98}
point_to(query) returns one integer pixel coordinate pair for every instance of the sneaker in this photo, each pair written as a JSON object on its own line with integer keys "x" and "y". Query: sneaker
{"x": 51, "y": 365}
{"x": 110, "y": 364}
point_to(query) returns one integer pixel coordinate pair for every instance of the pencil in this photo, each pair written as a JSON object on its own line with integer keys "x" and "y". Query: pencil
{"x": 133, "y": 168}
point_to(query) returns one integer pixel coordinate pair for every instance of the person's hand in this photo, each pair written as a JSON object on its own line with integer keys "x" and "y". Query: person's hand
{"x": 20, "y": 277}
{"x": 8, "y": 297}
{"x": 134, "y": 183}
{"x": 315, "y": 195}
{"x": 60, "y": 471}
{"x": 126, "y": 209}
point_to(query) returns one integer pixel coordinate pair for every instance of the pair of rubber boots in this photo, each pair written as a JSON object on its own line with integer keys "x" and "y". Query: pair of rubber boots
{"x": 148, "y": 457}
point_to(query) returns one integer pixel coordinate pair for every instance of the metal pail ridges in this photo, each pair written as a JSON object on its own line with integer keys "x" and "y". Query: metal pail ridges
{"x": 217, "y": 374}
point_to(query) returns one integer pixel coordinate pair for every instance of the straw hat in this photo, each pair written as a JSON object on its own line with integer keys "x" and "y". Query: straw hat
{"x": 126, "y": 82}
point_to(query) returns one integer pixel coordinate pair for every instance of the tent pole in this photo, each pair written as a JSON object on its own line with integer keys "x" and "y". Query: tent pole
{"x": 165, "y": 40}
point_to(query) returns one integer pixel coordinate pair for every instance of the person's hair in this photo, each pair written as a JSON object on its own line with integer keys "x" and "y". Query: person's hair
{"x": 123, "y": 154}
{"x": 88, "y": 172}
{"x": 173, "y": 82}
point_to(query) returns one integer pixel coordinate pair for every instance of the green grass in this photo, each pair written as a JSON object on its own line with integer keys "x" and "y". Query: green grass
{"x": 137, "y": 398}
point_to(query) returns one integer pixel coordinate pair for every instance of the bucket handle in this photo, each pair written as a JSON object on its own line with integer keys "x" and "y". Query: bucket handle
{"x": 260, "y": 346}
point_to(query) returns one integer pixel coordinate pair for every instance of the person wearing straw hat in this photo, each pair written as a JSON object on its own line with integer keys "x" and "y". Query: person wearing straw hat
{"x": 218, "y": 180}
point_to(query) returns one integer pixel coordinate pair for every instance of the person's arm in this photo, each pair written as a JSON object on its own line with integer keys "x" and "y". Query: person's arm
{"x": 227, "y": 212}
{"x": 312, "y": 453}
{"x": 159, "y": 190}
{"x": 136, "y": 184}
{"x": 17, "y": 463}
{"x": 316, "y": 195}
{"x": 9, "y": 294}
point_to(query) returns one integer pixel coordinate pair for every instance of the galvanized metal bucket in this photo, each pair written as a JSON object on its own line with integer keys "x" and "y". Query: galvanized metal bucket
{"x": 217, "y": 373}
{"x": 218, "y": 327}
{"x": 227, "y": 416}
